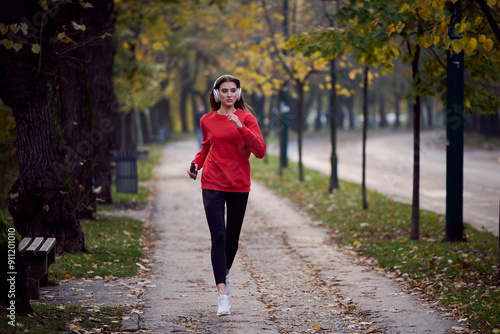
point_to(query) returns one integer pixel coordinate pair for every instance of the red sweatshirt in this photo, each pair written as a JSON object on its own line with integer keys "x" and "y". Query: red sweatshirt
{"x": 226, "y": 149}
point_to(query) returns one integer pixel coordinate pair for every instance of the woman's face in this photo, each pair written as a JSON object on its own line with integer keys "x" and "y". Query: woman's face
{"x": 228, "y": 93}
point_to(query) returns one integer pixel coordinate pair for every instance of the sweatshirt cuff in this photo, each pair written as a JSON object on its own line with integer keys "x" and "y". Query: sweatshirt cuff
{"x": 243, "y": 129}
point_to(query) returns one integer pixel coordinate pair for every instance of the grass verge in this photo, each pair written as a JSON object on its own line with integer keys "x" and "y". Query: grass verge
{"x": 56, "y": 319}
{"x": 461, "y": 277}
{"x": 114, "y": 247}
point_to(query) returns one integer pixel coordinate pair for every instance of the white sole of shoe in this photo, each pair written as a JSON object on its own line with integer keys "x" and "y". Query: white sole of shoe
{"x": 225, "y": 313}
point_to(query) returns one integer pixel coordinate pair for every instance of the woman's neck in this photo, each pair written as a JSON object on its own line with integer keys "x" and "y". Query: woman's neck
{"x": 225, "y": 110}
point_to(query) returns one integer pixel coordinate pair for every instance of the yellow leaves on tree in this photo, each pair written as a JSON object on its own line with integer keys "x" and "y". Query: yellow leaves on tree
{"x": 470, "y": 46}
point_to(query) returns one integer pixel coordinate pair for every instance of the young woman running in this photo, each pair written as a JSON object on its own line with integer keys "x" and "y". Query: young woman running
{"x": 230, "y": 134}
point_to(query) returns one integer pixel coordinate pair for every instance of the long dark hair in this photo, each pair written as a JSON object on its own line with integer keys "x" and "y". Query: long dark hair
{"x": 240, "y": 104}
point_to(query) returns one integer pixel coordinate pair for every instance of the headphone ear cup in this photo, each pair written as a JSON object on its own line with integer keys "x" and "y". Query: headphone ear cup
{"x": 216, "y": 95}
{"x": 238, "y": 94}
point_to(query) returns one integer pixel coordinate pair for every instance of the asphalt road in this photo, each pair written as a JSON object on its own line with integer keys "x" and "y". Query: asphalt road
{"x": 389, "y": 170}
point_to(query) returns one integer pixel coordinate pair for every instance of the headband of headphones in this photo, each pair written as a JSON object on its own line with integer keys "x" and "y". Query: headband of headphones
{"x": 216, "y": 91}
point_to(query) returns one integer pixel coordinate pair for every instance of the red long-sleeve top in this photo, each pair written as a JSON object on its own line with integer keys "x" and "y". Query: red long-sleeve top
{"x": 226, "y": 149}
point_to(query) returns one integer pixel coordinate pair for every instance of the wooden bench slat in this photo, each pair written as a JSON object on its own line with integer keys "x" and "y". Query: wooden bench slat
{"x": 34, "y": 246}
{"x": 38, "y": 255}
{"x": 24, "y": 244}
{"x": 47, "y": 246}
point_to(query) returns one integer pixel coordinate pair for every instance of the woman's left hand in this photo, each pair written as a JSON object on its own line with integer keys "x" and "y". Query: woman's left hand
{"x": 233, "y": 118}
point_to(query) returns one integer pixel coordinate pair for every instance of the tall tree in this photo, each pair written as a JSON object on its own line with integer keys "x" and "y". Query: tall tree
{"x": 75, "y": 107}
{"x": 365, "y": 125}
{"x": 297, "y": 68}
{"x": 367, "y": 48}
{"x": 42, "y": 199}
{"x": 334, "y": 181}
{"x": 99, "y": 53}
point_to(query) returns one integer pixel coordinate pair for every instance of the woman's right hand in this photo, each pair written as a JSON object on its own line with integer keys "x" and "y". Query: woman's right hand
{"x": 191, "y": 174}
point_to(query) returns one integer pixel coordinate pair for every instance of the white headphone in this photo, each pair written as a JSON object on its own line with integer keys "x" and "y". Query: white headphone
{"x": 216, "y": 91}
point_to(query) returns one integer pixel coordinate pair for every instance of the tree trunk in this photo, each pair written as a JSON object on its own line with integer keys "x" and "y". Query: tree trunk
{"x": 41, "y": 199}
{"x": 293, "y": 115}
{"x": 194, "y": 109}
{"x": 409, "y": 123}
{"x": 372, "y": 111}
{"x": 300, "y": 88}
{"x": 162, "y": 123}
{"x": 183, "y": 106}
{"x": 415, "y": 208}
{"x": 264, "y": 122}
{"x": 397, "y": 110}
{"x": 99, "y": 55}
{"x": 350, "y": 108}
{"x": 382, "y": 113}
{"x": 429, "y": 103}
{"x": 319, "y": 106}
{"x": 334, "y": 182}
{"x": 490, "y": 126}
{"x": 306, "y": 111}
{"x": 125, "y": 138}
{"x": 365, "y": 128}
{"x": 76, "y": 112}
{"x": 144, "y": 126}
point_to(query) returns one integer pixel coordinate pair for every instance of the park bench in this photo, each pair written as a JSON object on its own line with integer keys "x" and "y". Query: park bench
{"x": 38, "y": 254}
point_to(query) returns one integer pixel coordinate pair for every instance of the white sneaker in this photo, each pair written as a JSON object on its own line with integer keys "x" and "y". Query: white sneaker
{"x": 224, "y": 307}
{"x": 228, "y": 283}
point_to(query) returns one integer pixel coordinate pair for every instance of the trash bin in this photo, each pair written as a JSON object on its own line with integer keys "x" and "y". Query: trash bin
{"x": 126, "y": 171}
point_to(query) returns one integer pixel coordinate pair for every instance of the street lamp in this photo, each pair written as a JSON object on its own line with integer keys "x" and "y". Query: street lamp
{"x": 454, "y": 134}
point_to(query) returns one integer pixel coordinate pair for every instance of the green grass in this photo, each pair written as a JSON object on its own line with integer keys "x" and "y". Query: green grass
{"x": 126, "y": 200}
{"x": 462, "y": 277}
{"x": 114, "y": 247}
{"x": 56, "y": 319}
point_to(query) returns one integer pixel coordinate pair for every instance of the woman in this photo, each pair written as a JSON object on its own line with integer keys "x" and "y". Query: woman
{"x": 230, "y": 134}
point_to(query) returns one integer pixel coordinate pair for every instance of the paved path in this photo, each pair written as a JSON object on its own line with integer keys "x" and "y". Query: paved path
{"x": 289, "y": 276}
{"x": 390, "y": 170}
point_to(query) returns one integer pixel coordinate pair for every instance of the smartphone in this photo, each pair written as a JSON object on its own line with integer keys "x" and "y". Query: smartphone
{"x": 193, "y": 170}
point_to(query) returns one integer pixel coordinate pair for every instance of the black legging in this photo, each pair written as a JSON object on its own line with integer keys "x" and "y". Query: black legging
{"x": 224, "y": 237}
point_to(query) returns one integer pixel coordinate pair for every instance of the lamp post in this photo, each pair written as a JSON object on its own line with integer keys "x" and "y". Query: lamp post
{"x": 454, "y": 134}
